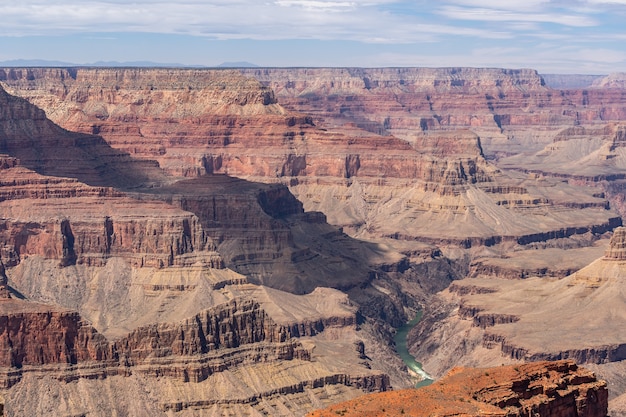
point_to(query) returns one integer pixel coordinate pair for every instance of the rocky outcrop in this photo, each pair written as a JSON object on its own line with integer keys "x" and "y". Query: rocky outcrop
{"x": 4, "y": 282}
{"x": 547, "y": 389}
{"x": 90, "y": 230}
{"x": 34, "y": 336}
{"x": 483, "y": 320}
{"x": 360, "y": 145}
{"x": 617, "y": 247}
{"x": 591, "y": 355}
{"x": 371, "y": 384}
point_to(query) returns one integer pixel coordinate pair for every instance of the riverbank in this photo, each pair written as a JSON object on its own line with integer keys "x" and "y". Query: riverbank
{"x": 414, "y": 367}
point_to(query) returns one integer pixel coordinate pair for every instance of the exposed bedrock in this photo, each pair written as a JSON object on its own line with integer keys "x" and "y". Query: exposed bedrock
{"x": 270, "y": 359}
{"x": 251, "y": 225}
{"x": 228, "y": 335}
{"x": 40, "y": 337}
{"x": 484, "y": 321}
{"x": 395, "y": 99}
{"x": 263, "y": 232}
{"x": 89, "y": 231}
{"x": 547, "y": 389}
{"x": 205, "y": 121}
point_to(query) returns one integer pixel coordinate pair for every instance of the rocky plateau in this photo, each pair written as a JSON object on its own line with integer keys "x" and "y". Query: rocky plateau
{"x": 385, "y": 154}
{"x": 537, "y": 389}
{"x": 243, "y": 242}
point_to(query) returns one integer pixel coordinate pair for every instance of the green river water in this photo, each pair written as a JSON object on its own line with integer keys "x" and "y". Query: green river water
{"x": 403, "y": 351}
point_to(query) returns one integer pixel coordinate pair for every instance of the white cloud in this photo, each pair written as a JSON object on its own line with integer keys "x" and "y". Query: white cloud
{"x": 318, "y": 5}
{"x": 444, "y": 25}
{"x": 363, "y": 21}
{"x": 492, "y": 15}
{"x": 516, "y": 5}
{"x": 620, "y": 2}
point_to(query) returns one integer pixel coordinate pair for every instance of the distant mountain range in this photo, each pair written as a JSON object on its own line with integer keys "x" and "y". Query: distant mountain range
{"x": 46, "y": 63}
{"x": 238, "y": 64}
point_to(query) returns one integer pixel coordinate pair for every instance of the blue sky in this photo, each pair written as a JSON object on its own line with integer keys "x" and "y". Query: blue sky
{"x": 560, "y": 36}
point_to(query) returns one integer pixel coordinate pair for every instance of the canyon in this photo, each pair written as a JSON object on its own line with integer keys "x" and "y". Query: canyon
{"x": 114, "y": 271}
{"x": 541, "y": 388}
{"x": 205, "y": 242}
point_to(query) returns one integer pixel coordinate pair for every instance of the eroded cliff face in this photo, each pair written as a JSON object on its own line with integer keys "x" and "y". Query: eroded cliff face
{"x": 56, "y": 349}
{"x": 507, "y": 108}
{"x": 132, "y": 247}
{"x": 179, "y": 223}
{"x": 124, "y": 275}
{"x": 546, "y": 389}
{"x": 361, "y": 145}
{"x": 483, "y": 320}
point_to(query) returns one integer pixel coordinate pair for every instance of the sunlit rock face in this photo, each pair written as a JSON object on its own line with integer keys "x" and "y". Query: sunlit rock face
{"x": 385, "y": 153}
{"x": 545, "y": 388}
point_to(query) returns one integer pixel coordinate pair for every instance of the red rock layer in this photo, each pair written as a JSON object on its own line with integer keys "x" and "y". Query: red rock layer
{"x": 547, "y": 389}
{"x": 438, "y": 98}
{"x": 40, "y": 145}
{"x": 187, "y": 121}
{"x": 50, "y": 211}
{"x": 64, "y": 219}
{"x": 33, "y": 335}
{"x": 38, "y": 334}
{"x": 207, "y": 121}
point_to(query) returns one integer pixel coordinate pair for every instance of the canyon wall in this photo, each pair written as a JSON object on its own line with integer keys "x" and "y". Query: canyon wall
{"x": 361, "y": 145}
{"x": 486, "y": 320}
{"x": 117, "y": 271}
{"x": 127, "y": 215}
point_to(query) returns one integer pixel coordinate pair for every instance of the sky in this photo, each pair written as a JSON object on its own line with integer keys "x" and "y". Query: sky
{"x": 551, "y": 36}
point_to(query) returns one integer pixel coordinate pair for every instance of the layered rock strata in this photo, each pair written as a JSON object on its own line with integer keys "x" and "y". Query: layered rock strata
{"x": 252, "y": 225}
{"x": 483, "y": 321}
{"x": 509, "y": 109}
{"x": 119, "y": 276}
{"x": 432, "y": 171}
{"x": 237, "y": 336}
{"x": 546, "y": 389}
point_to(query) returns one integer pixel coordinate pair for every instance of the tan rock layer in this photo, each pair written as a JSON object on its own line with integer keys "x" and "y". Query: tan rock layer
{"x": 617, "y": 245}
{"x": 34, "y": 338}
{"x": 597, "y": 354}
{"x": 368, "y": 383}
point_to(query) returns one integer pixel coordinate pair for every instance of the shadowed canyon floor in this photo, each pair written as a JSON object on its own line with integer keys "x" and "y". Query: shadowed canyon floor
{"x": 203, "y": 242}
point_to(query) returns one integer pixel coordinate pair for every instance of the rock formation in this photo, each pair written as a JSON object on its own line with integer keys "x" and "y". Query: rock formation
{"x": 119, "y": 272}
{"x": 482, "y": 320}
{"x": 4, "y": 283}
{"x": 617, "y": 247}
{"x": 146, "y": 274}
{"x": 361, "y": 145}
{"x": 546, "y": 389}
{"x": 234, "y": 337}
